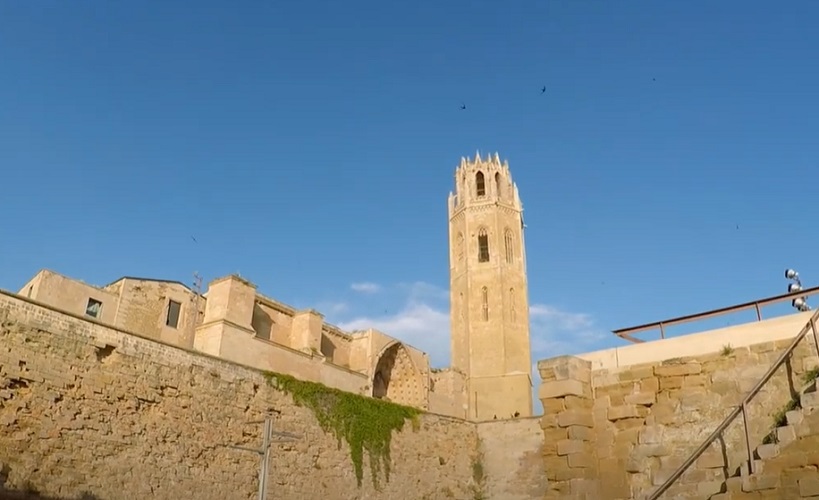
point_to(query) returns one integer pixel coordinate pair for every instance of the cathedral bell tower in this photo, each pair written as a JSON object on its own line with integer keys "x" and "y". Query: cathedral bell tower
{"x": 488, "y": 291}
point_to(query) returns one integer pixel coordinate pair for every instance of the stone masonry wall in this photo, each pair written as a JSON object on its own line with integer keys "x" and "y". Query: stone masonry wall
{"x": 86, "y": 408}
{"x": 619, "y": 433}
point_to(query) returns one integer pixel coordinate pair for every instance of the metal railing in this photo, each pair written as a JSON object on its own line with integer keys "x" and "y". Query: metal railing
{"x": 757, "y": 305}
{"x": 741, "y": 409}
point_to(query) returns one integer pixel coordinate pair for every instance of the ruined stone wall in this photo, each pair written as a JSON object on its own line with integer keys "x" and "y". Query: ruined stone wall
{"x": 86, "y": 408}
{"x": 511, "y": 459}
{"x": 618, "y": 433}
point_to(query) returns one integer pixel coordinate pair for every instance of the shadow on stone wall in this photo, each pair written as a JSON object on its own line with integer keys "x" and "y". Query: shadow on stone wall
{"x": 6, "y": 494}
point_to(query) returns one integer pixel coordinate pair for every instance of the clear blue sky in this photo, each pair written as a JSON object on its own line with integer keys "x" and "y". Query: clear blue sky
{"x": 311, "y": 145}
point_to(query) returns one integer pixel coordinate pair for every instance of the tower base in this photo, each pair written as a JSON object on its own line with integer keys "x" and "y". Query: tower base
{"x": 500, "y": 397}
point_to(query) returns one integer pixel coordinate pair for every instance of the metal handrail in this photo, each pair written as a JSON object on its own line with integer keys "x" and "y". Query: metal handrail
{"x": 626, "y": 333}
{"x": 742, "y": 408}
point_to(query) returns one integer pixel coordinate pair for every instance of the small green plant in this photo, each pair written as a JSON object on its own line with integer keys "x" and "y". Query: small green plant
{"x": 811, "y": 375}
{"x": 478, "y": 478}
{"x": 727, "y": 350}
{"x": 364, "y": 423}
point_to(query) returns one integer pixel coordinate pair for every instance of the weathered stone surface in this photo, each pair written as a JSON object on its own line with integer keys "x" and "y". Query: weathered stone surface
{"x": 146, "y": 420}
{"x": 560, "y": 388}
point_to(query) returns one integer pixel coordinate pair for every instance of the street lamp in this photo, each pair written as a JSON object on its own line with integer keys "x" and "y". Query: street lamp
{"x": 799, "y": 303}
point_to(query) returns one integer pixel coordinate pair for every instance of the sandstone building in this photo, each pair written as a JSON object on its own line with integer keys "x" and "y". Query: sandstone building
{"x": 490, "y": 376}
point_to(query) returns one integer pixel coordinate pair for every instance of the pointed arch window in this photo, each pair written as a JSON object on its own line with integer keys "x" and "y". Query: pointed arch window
{"x": 498, "y": 189}
{"x": 512, "y": 312}
{"x": 483, "y": 245}
{"x": 480, "y": 184}
{"x": 509, "y": 243}
{"x": 485, "y": 303}
{"x": 459, "y": 247}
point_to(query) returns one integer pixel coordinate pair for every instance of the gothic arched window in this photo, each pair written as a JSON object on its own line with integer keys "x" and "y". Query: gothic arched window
{"x": 498, "y": 190}
{"x": 459, "y": 247}
{"x": 480, "y": 184}
{"x": 483, "y": 245}
{"x": 510, "y": 249}
{"x": 485, "y": 303}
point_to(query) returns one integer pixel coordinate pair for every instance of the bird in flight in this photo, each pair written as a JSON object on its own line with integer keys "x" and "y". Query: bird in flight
{"x": 463, "y": 106}
{"x": 543, "y": 90}
{"x": 194, "y": 239}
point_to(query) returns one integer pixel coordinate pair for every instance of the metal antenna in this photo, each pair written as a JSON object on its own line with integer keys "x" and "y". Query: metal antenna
{"x": 197, "y": 291}
{"x": 264, "y": 451}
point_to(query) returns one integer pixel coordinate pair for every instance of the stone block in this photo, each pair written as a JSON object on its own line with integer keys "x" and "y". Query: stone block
{"x": 786, "y": 434}
{"x": 671, "y": 382}
{"x": 810, "y": 400}
{"x": 695, "y": 380}
{"x": 634, "y": 373}
{"x": 711, "y": 459}
{"x": 565, "y": 368}
{"x": 584, "y": 459}
{"x": 553, "y": 405}
{"x": 575, "y": 417}
{"x": 580, "y": 433}
{"x": 649, "y": 384}
{"x": 578, "y": 403}
{"x": 548, "y": 421}
{"x": 709, "y": 488}
{"x": 794, "y": 417}
{"x": 651, "y": 450}
{"x": 758, "y": 482}
{"x": 641, "y": 398}
{"x": 809, "y": 486}
{"x": 766, "y": 451}
{"x": 561, "y": 388}
{"x": 570, "y": 446}
{"x": 651, "y": 435}
{"x": 583, "y": 486}
{"x": 629, "y": 423}
{"x": 620, "y": 412}
{"x": 675, "y": 370}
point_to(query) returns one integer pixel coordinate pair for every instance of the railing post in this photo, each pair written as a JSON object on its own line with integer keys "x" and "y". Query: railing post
{"x": 662, "y": 330}
{"x": 758, "y": 312}
{"x": 751, "y": 466}
{"x": 815, "y": 337}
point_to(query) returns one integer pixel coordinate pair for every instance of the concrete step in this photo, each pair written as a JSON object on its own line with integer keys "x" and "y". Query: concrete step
{"x": 765, "y": 451}
{"x": 795, "y": 417}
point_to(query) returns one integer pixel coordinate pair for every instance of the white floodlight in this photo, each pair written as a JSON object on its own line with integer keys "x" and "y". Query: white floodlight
{"x": 794, "y": 287}
{"x": 791, "y": 274}
{"x": 798, "y": 303}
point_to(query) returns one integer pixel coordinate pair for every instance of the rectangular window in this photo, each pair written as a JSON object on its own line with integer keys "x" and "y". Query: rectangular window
{"x": 93, "y": 308}
{"x": 172, "y": 319}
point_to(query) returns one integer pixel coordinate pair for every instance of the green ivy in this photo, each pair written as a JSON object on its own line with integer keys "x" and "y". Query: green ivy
{"x": 364, "y": 423}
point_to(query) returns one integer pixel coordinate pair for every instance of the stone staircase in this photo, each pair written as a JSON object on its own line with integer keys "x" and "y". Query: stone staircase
{"x": 799, "y": 421}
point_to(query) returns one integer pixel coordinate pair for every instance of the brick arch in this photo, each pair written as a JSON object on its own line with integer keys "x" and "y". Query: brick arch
{"x": 396, "y": 377}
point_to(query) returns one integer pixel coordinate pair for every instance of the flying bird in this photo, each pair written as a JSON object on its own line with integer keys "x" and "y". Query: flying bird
{"x": 194, "y": 239}
{"x": 463, "y": 106}
{"x": 543, "y": 90}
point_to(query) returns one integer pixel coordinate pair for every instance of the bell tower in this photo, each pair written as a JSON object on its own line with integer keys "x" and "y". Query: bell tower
{"x": 488, "y": 290}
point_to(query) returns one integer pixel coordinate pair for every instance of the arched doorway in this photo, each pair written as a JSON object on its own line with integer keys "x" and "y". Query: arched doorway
{"x": 397, "y": 379}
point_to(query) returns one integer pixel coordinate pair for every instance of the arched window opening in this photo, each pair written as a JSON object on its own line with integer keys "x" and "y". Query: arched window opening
{"x": 460, "y": 247}
{"x": 483, "y": 246}
{"x": 485, "y": 303}
{"x": 512, "y": 312}
{"x": 498, "y": 190}
{"x": 507, "y": 239}
{"x": 480, "y": 184}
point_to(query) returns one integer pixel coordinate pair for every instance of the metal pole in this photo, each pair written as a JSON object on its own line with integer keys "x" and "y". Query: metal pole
{"x": 662, "y": 331}
{"x": 751, "y": 466}
{"x": 268, "y": 427}
{"x": 815, "y": 336}
{"x": 758, "y": 312}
